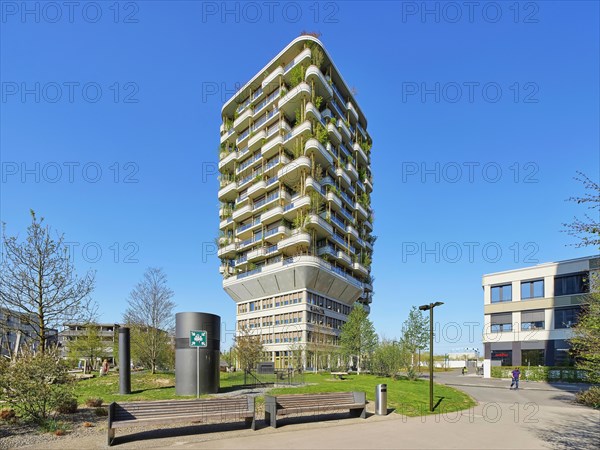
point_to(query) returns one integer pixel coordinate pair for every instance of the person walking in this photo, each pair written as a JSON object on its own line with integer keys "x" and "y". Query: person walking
{"x": 104, "y": 368}
{"x": 515, "y": 378}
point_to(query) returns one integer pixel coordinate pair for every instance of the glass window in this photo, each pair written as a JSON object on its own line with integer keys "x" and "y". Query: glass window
{"x": 532, "y": 357}
{"x": 566, "y": 317}
{"x": 532, "y": 289}
{"x": 502, "y": 293}
{"x": 577, "y": 283}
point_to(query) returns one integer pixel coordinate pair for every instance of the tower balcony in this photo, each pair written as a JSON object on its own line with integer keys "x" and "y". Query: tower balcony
{"x": 320, "y": 153}
{"x": 291, "y": 172}
{"x": 290, "y": 101}
{"x": 323, "y": 229}
{"x": 368, "y": 185}
{"x": 360, "y": 153}
{"x": 243, "y": 120}
{"x": 256, "y": 140}
{"x": 298, "y": 238}
{"x": 360, "y": 269}
{"x": 352, "y": 109}
{"x": 361, "y": 211}
{"x": 257, "y": 189}
{"x": 352, "y": 232}
{"x": 344, "y": 129}
{"x": 242, "y": 213}
{"x": 351, "y": 170}
{"x": 313, "y": 185}
{"x": 343, "y": 176}
{"x": 271, "y": 79}
{"x": 228, "y": 251}
{"x": 290, "y": 210}
{"x": 272, "y": 215}
{"x": 334, "y": 199}
{"x": 302, "y": 130}
{"x": 344, "y": 259}
{"x": 334, "y": 134}
{"x": 313, "y": 74}
{"x": 276, "y": 234}
{"x": 228, "y": 192}
{"x": 228, "y": 161}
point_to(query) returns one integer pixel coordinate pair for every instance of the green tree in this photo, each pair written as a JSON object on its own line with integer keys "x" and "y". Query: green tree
{"x": 389, "y": 358}
{"x": 415, "y": 335}
{"x": 248, "y": 349}
{"x": 89, "y": 345}
{"x": 38, "y": 281}
{"x": 358, "y": 338}
{"x": 150, "y": 316}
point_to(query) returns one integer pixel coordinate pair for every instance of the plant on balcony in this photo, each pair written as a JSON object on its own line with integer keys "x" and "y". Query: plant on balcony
{"x": 366, "y": 147}
{"x": 318, "y": 102}
{"x": 366, "y": 260}
{"x": 349, "y": 160}
{"x": 335, "y": 190}
{"x": 317, "y": 56}
{"x": 347, "y": 123}
{"x": 228, "y": 123}
{"x": 298, "y": 151}
{"x": 362, "y": 173}
{"x": 318, "y": 173}
{"x": 316, "y": 202}
{"x": 300, "y": 222}
{"x": 298, "y": 115}
{"x": 321, "y": 134}
{"x": 333, "y": 121}
{"x": 364, "y": 200}
{"x": 297, "y": 75}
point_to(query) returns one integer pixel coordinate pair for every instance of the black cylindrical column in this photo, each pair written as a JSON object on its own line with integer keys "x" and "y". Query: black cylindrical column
{"x": 124, "y": 361}
{"x": 192, "y": 374}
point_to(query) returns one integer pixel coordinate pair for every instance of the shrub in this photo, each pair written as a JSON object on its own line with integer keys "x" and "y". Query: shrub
{"x": 35, "y": 384}
{"x": 54, "y": 426}
{"x": 591, "y": 397}
{"x": 67, "y": 404}
{"x": 101, "y": 412}
{"x": 94, "y": 402}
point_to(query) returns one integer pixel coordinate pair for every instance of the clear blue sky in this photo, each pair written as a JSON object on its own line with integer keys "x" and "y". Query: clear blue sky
{"x": 158, "y": 65}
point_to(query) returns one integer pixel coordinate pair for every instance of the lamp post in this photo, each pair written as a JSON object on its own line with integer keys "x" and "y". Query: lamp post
{"x": 430, "y": 309}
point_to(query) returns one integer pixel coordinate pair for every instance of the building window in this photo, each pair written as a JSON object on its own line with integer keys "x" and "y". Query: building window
{"x": 504, "y": 356}
{"x": 501, "y": 322}
{"x": 532, "y": 357}
{"x": 502, "y": 293}
{"x": 577, "y": 283}
{"x": 533, "y": 320}
{"x": 566, "y": 317}
{"x": 532, "y": 289}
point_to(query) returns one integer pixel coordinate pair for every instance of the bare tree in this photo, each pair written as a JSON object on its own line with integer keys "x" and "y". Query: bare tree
{"x": 38, "y": 281}
{"x": 151, "y": 318}
{"x": 586, "y": 230}
{"x": 248, "y": 349}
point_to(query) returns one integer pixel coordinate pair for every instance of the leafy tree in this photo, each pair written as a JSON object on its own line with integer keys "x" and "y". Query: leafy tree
{"x": 586, "y": 230}
{"x": 35, "y": 384}
{"x": 39, "y": 282}
{"x": 415, "y": 336}
{"x": 248, "y": 349}
{"x": 89, "y": 345}
{"x": 150, "y": 316}
{"x": 586, "y": 338}
{"x": 358, "y": 338}
{"x": 389, "y": 358}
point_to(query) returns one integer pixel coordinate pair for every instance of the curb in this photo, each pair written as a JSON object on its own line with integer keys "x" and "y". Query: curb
{"x": 529, "y": 388}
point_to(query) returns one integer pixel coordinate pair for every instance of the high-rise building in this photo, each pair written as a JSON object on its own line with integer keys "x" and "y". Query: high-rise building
{"x": 529, "y": 312}
{"x": 295, "y": 191}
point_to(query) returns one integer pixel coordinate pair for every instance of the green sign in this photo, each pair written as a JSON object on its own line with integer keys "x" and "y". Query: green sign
{"x": 198, "y": 338}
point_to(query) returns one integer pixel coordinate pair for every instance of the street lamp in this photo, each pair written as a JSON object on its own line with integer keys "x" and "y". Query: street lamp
{"x": 430, "y": 308}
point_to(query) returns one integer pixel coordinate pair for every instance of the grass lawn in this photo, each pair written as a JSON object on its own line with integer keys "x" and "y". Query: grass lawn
{"x": 407, "y": 397}
{"x": 410, "y": 398}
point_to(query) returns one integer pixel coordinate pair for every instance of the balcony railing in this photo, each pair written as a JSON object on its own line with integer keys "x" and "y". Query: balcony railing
{"x": 249, "y": 162}
{"x": 267, "y": 199}
{"x": 249, "y": 225}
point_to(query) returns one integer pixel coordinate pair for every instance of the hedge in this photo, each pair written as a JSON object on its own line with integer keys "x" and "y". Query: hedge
{"x": 542, "y": 373}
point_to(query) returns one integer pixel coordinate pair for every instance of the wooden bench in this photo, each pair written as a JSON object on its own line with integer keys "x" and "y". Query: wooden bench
{"x": 122, "y": 415}
{"x": 282, "y": 405}
{"x": 339, "y": 375}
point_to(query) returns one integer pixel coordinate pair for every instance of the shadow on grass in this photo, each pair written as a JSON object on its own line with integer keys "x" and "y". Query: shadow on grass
{"x": 438, "y": 403}
{"x": 140, "y": 391}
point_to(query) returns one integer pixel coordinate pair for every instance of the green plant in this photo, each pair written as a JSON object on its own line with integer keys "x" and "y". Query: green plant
{"x": 228, "y": 123}
{"x": 333, "y": 120}
{"x": 67, "y": 404}
{"x": 297, "y": 75}
{"x": 318, "y": 173}
{"x": 35, "y": 384}
{"x": 366, "y": 260}
{"x": 317, "y": 56}
{"x": 298, "y": 115}
{"x": 318, "y": 102}
{"x": 101, "y": 412}
{"x": 366, "y": 147}
{"x": 590, "y": 397}
{"x": 93, "y": 402}
{"x": 321, "y": 134}
{"x": 54, "y": 426}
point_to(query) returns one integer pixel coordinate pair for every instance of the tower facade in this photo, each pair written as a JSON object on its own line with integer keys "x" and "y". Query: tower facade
{"x": 295, "y": 218}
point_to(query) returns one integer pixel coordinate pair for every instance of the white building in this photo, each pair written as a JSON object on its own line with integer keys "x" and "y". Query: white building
{"x": 295, "y": 186}
{"x": 529, "y": 312}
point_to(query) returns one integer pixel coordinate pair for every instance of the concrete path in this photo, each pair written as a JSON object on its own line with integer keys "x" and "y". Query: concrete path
{"x": 536, "y": 416}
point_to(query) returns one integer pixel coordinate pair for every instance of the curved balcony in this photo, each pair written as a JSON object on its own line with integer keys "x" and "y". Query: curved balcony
{"x": 297, "y": 238}
{"x": 343, "y": 176}
{"x": 360, "y": 269}
{"x": 334, "y": 199}
{"x": 303, "y": 130}
{"x": 228, "y": 251}
{"x": 344, "y": 259}
{"x": 229, "y": 136}
{"x": 368, "y": 244}
{"x": 361, "y": 157}
{"x": 247, "y": 230}
{"x": 319, "y": 224}
{"x": 226, "y": 223}
{"x": 272, "y": 79}
{"x": 291, "y": 172}
{"x": 368, "y": 185}
{"x": 361, "y": 211}
{"x": 256, "y": 254}
{"x": 292, "y": 98}
{"x": 276, "y": 234}
{"x": 257, "y": 189}
{"x": 228, "y": 162}
{"x": 271, "y": 147}
{"x": 344, "y": 129}
{"x": 290, "y": 210}
{"x": 272, "y": 215}
{"x": 327, "y": 250}
{"x": 334, "y": 134}
{"x": 313, "y": 185}
{"x": 368, "y": 225}
{"x": 242, "y": 213}
{"x": 351, "y": 170}
{"x": 312, "y": 112}
{"x": 352, "y": 232}
{"x": 321, "y": 155}
{"x": 242, "y": 120}
{"x": 321, "y": 85}
{"x": 256, "y": 140}
{"x": 228, "y": 192}
{"x": 352, "y": 109}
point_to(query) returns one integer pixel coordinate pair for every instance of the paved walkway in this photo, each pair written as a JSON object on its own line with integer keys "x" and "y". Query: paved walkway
{"x": 536, "y": 416}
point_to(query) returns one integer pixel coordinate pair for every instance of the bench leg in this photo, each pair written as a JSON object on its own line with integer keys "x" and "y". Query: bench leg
{"x": 362, "y": 413}
{"x": 251, "y": 422}
{"x": 111, "y": 436}
{"x": 271, "y": 419}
